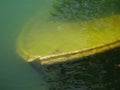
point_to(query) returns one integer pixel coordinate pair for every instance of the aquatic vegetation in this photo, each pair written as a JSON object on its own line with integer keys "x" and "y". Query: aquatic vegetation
{"x": 83, "y": 10}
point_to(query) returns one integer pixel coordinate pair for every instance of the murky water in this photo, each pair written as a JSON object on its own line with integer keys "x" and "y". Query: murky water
{"x": 29, "y": 28}
{"x": 15, "y": 74}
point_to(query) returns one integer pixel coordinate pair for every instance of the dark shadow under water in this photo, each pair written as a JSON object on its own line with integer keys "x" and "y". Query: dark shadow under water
{"x": 96, "y": 72}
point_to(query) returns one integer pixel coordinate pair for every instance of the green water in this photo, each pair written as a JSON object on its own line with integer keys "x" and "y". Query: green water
{"x": 27, "y": 31}
{"x": 15, "y": 74}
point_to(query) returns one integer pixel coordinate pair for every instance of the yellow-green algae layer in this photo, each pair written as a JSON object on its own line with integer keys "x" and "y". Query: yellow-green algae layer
{"x": 44, "y": 37}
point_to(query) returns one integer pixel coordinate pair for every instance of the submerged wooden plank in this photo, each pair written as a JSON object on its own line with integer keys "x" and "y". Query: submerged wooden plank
{"x": 56, "y": 58}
